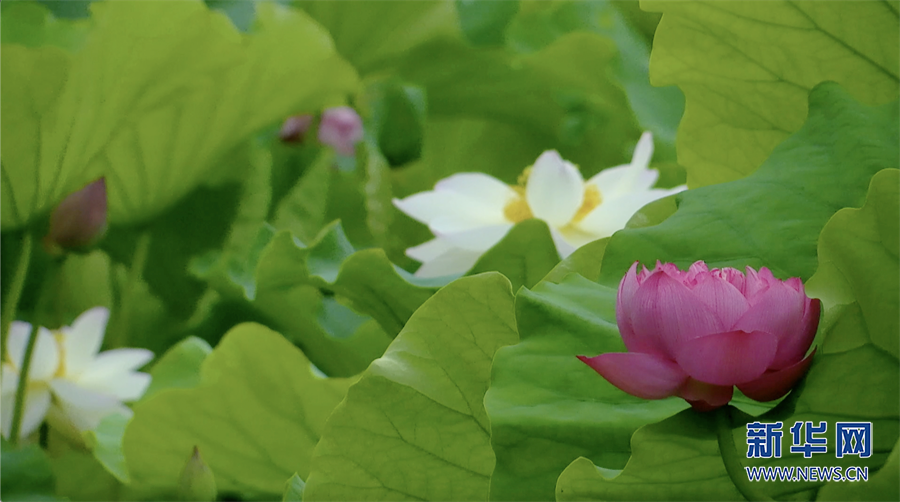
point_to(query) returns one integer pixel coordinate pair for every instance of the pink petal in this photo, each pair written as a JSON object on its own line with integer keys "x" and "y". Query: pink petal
{"x": 774, "y": 384}
{"x": 793, "y": 347}
{"x": 665, "y": 309}
{"x": 624, "y": 303}
{"x": 722, "y": 298}
{"x": 753, "y": 285}
{"x": 727, "y": 358}
{"x": 778, "y": 311}
{"x": 697, "y": 268}
{"x": 646, "y": 376}
{"x": 733, "y": 276}
{"x": 705, "y": 397}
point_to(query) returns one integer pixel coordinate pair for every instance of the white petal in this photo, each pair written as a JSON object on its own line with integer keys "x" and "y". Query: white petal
{"x": 611, "y": 216}
{"x": 426, "y": 206}
{"x": 112, "y": 369}
{"x": 83, "y": 339}
{"x": 84, "y": 407}
{"x": 16, "y": 341}
{"x": 453, "y": 262}
{"x": 478, "y": 186}
{"x": 555, "y": 189}
{"x": 474, "y": 197}
{"x": 429, "y": 250}
{"x": 125, "y": 387}
{"x": 10, "y": 379}
{"x": 44, "y": 360}
{"x": 643, "y": 151}
{"x": 621, "y": 180}
{"x": 37, "y": 402}
{"x": 473, "y": 239}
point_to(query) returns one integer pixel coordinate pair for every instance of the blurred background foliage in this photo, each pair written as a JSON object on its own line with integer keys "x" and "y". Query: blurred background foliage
{"x": 444, "y": 87}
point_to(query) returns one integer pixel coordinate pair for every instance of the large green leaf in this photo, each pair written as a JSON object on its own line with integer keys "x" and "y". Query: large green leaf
{"x": 656, "y": 109}
{"x": 373, "y": 34}
{"x": 746, "y": 68}
{"x": 807, "y": 179}
{"x": 547, "y": 408}
{"x": 858, "y": 261}
{"x": 177, "y": 105}
{"x": 414, "y": 427}
{"x": 256, "y": 416}
{"x": 32, "y": 25}
{"x": 854, "y": 377}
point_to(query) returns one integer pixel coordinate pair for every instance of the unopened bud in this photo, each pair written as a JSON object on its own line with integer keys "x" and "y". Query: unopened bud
{"x": 341, "y": 128}
{"x": 79, "y": 221}
{"x": 197, "y": 482}
{"x": 295, "y": 128}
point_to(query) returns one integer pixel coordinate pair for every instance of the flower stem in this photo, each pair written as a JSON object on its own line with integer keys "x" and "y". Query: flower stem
{"x": 19, "y": 410}
{"x": 732, "y": 461}
{"x": 126, "y": 302}
{"x": 11, "y": 302}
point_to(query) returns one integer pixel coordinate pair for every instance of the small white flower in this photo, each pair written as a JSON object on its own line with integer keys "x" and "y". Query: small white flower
{"x": 471, "y": 212}
{"x": 67, "y": 378}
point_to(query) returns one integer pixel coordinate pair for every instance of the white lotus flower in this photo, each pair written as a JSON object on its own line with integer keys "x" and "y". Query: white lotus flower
{"x": 471, "y": 212}
{"x": 67, "y": 378}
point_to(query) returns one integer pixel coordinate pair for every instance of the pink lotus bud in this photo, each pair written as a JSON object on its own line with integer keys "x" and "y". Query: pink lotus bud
{"x": 79, "y": 221}
{"x": 698, "y": 333}
{"x": 341, "y": 128}
{"x": 295, "y": 128}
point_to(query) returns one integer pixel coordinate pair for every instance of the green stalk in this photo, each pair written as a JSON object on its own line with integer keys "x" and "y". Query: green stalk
{"x": 21, "y": 389}
{"x": 730, "y": 457}
{"x": 11, "y": 302}
{"x": 126, "y": 303}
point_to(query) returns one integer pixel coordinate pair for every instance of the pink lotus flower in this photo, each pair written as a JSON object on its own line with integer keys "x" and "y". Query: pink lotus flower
{"x": 341, "y": 128}
{"x": 698, "y": 333}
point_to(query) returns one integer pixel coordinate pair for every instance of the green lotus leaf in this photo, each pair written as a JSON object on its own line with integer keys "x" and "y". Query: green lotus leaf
{"x": 858, "y": 261}
{"x": 293, "y": 490}
{"x": 656, "y": 109}
{"x": 746, "y": 68}
{"x": 179, "y": 367}
{"x": 547, "y": 408}
{"x": 256, "y": 415}
{"x": 153, "y": 143}
{"x": 414, "y": 426}
{"x": 484, "y": 23}
{"x": 366, "y": 34}
{"x": 32, "y": 25}
{"x": 802, "y": 184}
{"x": 105, "y": 443}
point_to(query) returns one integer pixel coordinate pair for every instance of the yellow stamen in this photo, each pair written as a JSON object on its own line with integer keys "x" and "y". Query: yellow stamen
{"x": 517, "y": 209}
{"x": 592, "y": 199}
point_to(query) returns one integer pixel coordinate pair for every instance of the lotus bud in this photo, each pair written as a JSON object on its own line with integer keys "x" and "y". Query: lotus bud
{"x": 79, "y": 221}
{"x": 295, "y": 128}
{"x": 197, "y": 482}
{"x": 699, "y": 333}
{"x": 341, "y": 128}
